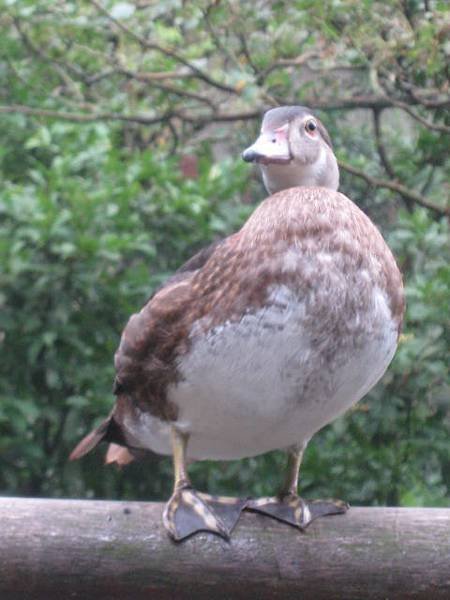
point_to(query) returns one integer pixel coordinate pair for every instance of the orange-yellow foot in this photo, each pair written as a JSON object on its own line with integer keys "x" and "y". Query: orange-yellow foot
{"x": 189, "y": 511}
{"x": 296, "y": 511}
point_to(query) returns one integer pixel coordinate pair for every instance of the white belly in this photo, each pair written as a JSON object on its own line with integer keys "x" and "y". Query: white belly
{"x": 262, "y": 383}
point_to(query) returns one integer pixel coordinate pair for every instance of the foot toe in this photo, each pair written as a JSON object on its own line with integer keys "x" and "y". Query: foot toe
{"x": 189, "y": 511}
{"x": 294, "y": 510}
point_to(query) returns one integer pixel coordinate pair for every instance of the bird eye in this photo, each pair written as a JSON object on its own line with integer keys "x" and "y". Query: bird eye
{"x": 310, "y": 125}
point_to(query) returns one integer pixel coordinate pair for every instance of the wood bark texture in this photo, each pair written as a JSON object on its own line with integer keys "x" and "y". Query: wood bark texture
{"x": 64, "y": 549}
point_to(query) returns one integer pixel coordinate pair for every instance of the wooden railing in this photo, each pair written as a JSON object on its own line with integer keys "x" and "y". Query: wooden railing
{"x": 65, "y": 549}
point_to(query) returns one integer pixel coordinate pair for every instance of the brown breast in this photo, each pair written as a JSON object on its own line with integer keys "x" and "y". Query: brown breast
{"x": 235, "y": 279}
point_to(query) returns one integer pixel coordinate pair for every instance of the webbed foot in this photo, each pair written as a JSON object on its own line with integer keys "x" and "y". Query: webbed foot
{"x": 294, "y": 510}
{"x": 189, "y": 511}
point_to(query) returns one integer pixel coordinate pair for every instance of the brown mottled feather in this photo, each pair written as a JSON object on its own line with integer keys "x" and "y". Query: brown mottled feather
{"x": 234, "y": 277}
{"x": 121, "y": 456}
{"x": 108, "y": 430}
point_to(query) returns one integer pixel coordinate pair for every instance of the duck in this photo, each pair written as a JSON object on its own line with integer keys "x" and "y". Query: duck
{"x": 262, "y": 338}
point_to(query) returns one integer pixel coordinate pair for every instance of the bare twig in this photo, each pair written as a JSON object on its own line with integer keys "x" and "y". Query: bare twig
{"x": 429, "y": 180}
{"x": 380, "y": 88}
{"x": 380, "y": 145}
{"x": 169, "y": 52}
{"x": 143, "y": 76}
{"x": 175, "y": 137}
{"x": 396, "y": 187}
{"x": 82, "y": 117}
{"x": 282, "y": 63}
{"x": 217, "y": 40}
{"x": 246, "y": 53}
{"x": 60, "y": 66}
{"x": 93, "y": 79}
{"x": 142, "y": 119}
{"x": 428, "y": 97}
{"x": 218, "y": 117}
{"x": 163, "y": 75}
{"x": 383, "y": 155}
{"x": 414, "y": 115}
{"x": 171, "y": 89}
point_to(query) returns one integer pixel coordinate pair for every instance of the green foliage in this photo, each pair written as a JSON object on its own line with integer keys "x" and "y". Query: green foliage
{"x": 95, "y": 212}
{"x": 84, "y": 239}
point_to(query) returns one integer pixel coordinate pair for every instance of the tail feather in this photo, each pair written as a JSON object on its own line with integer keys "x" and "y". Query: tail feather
{"x": 89, "y": 442}
{"x": 119, "y": 451}
{"x": 119, "y": 455}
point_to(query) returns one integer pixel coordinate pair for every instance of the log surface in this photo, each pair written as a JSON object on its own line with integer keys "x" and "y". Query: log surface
{"x": 64, "y": 549}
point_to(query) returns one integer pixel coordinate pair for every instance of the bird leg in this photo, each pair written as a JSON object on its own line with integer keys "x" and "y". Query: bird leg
{"x": 189, "y": 511}
{"x": 287, "y": 506}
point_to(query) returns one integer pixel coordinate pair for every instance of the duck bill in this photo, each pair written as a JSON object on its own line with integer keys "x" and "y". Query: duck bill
{"x": 269, "y": 148}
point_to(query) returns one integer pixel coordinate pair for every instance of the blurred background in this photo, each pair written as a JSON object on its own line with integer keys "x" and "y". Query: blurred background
{"x": 121, "y": 127}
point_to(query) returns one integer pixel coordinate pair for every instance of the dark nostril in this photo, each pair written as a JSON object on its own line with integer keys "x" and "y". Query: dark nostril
{"x": 249, "y": 155}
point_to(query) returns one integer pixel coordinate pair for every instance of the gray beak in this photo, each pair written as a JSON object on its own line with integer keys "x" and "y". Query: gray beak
{"x": 250, "y": 155}
{"x": 269, "y": 148}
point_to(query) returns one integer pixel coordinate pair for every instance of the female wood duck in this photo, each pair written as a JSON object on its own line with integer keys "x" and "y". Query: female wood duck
{"x": 261, "y": 339}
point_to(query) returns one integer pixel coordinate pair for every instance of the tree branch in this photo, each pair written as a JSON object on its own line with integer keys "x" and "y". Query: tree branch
{"x": 60, "y": 66}
{"x": 162, "y": 75}
{"x": 218, "y": 117}
{"x": 380, "y": 146}
{"x": 137, "y": 118}
{"x": 287, "y": 62}
{"x": 83, "y": 117}
{"x": 405, "y": 192}
{"x": 246, "y": 52}
{"x": 436, "y": 98}
{"x": 167, "y": 87}
{"x": 169, "y": 52}
{"x": 394, "y": 186}
{"x": 217, "y": 40}
{"x": 368, "y": 101}
{"x": 414, "y": 115}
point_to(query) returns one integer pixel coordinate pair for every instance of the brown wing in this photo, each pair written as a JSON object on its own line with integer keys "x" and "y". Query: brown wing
{"x": 235, "y": 276}
{"x": 145, "y": 360}
{"x": 151, "y": 340}
{"x": 144, "y": 365}
{"x": 195, "y": 263}
{"x": 199, "y": 259}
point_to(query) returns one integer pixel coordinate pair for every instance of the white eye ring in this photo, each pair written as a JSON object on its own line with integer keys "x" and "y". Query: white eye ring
{"x": 310, "y": 125}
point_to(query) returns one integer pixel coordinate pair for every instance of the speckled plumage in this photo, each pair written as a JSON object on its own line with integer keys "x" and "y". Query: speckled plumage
{"x": 332, "y": 265}
{"x": 260, "y": 339}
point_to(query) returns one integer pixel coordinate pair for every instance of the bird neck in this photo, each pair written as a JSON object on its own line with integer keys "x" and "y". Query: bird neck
{"x": 324, "y": 172}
